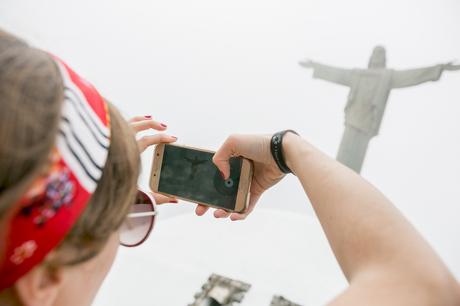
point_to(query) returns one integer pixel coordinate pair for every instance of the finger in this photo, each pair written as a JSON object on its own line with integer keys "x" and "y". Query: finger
{"x": 162, "y": 199}
{"x": 252, "y": 204}
{"x": 143, "y": 125}
{"x": 139, "y": 118}
{"x": 220, "y": 213}
{"x": 150, "y": 140}
{"x": 222, "y": 156}
{"x": 201, "y": 210}
{"x": 238, "y": 217}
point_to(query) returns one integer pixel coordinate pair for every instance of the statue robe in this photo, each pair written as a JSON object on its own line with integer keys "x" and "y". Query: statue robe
{"x": 367, "y": 99}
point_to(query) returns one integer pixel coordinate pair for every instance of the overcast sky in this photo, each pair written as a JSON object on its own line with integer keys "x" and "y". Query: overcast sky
{"x": 209, "y": 68}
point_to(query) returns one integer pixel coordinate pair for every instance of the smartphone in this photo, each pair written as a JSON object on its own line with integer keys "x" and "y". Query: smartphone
{"x": 189, "y": 174}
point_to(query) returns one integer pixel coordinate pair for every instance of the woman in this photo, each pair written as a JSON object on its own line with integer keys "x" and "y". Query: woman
{"x": 69, "y": 165}
{"x": 383, "y": 257}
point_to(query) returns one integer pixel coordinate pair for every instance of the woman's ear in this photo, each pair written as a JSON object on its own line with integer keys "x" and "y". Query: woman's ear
{"x": 40, "y": 286}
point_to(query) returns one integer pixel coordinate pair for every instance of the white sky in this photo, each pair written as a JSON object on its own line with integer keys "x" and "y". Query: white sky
{"x": 209, "y": 68}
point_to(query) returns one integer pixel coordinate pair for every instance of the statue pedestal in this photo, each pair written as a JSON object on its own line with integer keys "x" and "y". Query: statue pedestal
{"x": 278, "y": 253}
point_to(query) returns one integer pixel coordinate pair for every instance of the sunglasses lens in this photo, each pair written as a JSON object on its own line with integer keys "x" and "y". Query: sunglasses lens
{"x": 139, "y": 221}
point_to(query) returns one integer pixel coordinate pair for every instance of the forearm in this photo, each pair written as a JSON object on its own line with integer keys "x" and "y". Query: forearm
{"x": 367, "y": 233}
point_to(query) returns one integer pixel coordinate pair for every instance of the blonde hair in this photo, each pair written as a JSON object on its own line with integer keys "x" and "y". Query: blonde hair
{"x": 31, "y": 95}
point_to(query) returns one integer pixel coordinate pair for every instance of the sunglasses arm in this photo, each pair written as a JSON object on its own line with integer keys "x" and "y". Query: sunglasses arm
{"x": 142, "y": 214}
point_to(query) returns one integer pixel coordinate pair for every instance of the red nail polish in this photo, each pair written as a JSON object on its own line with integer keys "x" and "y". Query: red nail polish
{"x": 222, "y": 174}
{"x": 173, "y": 201}
{"x": 148, "y": 117}
{"x": 163, "y": 125}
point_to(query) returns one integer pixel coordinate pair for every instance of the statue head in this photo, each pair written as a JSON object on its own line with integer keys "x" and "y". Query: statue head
{"x": 378, "y": 58}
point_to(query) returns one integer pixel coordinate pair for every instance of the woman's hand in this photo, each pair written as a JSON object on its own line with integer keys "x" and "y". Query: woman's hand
{"x": 144, "y": 123}
{"x": 266, "y": 172}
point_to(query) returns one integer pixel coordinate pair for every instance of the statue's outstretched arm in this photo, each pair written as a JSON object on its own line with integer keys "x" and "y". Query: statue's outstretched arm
{"x": 307, "y": 63}
{"x": 328, "y": 73}
{"x": 452, "y": 66}
{"x": 417, "y": 76}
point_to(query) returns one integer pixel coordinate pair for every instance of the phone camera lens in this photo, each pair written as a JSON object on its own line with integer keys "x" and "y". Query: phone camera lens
{"x": 229, "y": 183}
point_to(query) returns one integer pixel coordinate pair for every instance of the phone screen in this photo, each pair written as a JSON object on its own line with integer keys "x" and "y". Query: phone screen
{"x": 192, "y": 175}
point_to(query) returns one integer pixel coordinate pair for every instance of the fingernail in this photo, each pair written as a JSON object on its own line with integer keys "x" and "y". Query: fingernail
{"x": 222, "y": 174}
{"x": 173, "y": 201}
{"x": 174, "y": 137}
{"x": 163, "y": 125}
{"x": 148, "y": 117}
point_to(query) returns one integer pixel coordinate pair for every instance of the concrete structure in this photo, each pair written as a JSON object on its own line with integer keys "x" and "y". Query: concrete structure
{"x": 221, "y": 291}
{"x": 281, "y": 301}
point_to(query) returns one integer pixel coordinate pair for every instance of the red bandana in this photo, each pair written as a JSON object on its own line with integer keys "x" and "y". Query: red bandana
{"x": 55, "y": 200}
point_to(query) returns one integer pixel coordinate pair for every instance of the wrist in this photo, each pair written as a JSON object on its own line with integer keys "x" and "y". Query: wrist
{"x": 276, "y": 148}
{"x": 294, "y": 147}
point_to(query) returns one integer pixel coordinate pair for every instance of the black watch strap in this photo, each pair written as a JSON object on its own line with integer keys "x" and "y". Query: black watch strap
{"x": 276, "y": 147}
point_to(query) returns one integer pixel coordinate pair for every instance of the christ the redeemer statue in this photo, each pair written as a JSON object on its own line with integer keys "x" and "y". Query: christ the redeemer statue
{"x": 369, "y": 91}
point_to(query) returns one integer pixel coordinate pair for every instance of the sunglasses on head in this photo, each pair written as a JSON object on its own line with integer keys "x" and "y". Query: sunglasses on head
{"x": 140, "y": 221}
